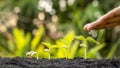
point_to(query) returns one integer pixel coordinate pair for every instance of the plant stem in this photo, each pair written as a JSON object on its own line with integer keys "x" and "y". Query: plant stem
{"x": 66, "y": 53}
{"x": 37, "y": 56}
{"x": 66, "y": 48}
{"x": 85, "y": 50}
{"x": 48, "y": 55}
{"x": 48, "y": 51}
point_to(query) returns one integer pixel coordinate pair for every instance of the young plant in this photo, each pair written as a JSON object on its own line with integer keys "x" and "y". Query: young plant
{"x": 31, "y": 54}
{"x": 48, "y": 51}
{"x": 49, "y": 46}
{"x": 85, "y": 43}
{"x": 85, "y": 49}
{"x": 67, "y": 49}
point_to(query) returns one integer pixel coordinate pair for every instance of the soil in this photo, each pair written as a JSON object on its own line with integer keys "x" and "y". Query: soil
{"x": 58, "y": 63}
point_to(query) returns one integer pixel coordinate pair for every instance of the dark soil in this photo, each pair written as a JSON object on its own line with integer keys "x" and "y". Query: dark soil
{"x": 58, "y": 63}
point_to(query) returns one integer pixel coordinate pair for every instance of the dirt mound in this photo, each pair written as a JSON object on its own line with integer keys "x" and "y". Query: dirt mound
{"x": 58, "y": 63}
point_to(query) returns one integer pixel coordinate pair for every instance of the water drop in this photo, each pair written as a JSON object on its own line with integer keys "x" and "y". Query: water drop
{"x": 93, "y": 33}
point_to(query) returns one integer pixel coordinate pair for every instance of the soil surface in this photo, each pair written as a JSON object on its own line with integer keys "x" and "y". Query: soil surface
{"x": 58, "y": 63}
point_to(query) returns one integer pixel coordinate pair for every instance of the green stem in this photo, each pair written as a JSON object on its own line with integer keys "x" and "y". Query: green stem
{"x": 85, "y": 51}
{"x": 48, "y": 55}
{"x": 66, "y": 53}
{"x": 37, "y": 56}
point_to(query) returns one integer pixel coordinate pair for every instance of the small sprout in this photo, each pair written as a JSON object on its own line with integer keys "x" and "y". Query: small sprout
{"x": 86, "y": 40}
{"x": 48, "y": 51}
{"x": 93, "y": 33}
{"x": 82, "y": 45}
{"x": 66, "y": 51}
{"x": 31, "y": 54}
{"x": 49, "y": 46}
{"x": 85, "y": 49}
{"x": 65, "y": 47}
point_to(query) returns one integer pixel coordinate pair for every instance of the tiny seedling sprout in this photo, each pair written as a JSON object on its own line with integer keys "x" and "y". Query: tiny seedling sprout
{"x": 66, "y": 47}
{"x": 48, "y": 51}
{"x": 85, "y": 43}
{"x": 66, "y": 51}
{"x": 85, "y": 50}
{"x": 31, "y": 54}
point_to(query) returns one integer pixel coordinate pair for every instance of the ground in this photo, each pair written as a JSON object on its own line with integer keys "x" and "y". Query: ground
{"x": 58, "y": 63}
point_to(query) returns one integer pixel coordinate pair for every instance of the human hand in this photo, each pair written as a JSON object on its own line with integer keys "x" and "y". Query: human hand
{"x": 111, "y": 19}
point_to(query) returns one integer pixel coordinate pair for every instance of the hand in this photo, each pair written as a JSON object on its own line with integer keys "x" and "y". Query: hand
{"x": 111, "y": 19}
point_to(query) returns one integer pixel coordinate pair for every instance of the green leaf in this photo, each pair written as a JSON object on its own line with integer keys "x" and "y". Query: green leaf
{"x": 92, "y": 40}
{"x": 41, "y": 51}
{"x": 67, "y": 40}
{"x": 112, "y": 51}
{"x": 21, "y": 41}
{"x": 92, "y": 53}
{"x": 54, "y": 46}
{"x": 73, "y": 50}
{"x": 37, "y": 38}
{"x": 47, "y": 44}
{"x": 82, "y": 38}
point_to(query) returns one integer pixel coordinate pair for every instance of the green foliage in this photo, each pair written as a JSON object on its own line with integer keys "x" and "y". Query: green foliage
{"x": 21, "y": 41}
{"x": 113, "y": 49}
{"x": 20, "y": 44}
{"x": 91, "y": 53}
{"x": 63, "y": 46}
{"x": 35, "y": 41}
{"x": 94, "y": 52}
{"x": 70, "y": 50}
{"x": 90, "y": 39}
{"x": 51, "y": 29}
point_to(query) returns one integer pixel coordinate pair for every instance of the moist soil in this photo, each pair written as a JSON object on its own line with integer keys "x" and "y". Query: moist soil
{"x": 58, "y": 63}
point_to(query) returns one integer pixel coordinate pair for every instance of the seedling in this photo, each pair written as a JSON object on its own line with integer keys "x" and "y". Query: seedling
{"x": 31, "y": 54}
{"x": 85, "y": 43}
{"x": 85, "y": 50}
{"x": 48, "y": 51}
{"x": 67, "y": 49}
{"x": 50, "y": 46}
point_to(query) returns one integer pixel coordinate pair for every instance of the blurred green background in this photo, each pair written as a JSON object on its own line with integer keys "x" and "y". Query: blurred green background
{"x": 26, "y": 24}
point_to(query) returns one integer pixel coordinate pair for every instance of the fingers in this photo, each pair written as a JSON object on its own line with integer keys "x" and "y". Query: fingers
{"x": 108, "y": 20}
{"x": 112, "y": 14}
{"x": 113, "y": 22}
{"x": 109, "y": 23}
{"x": 94, "y": 25}
{"x": 116, "y": 19}
{"x": 87, "y": 27}
{"x": 101, "y": 24}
